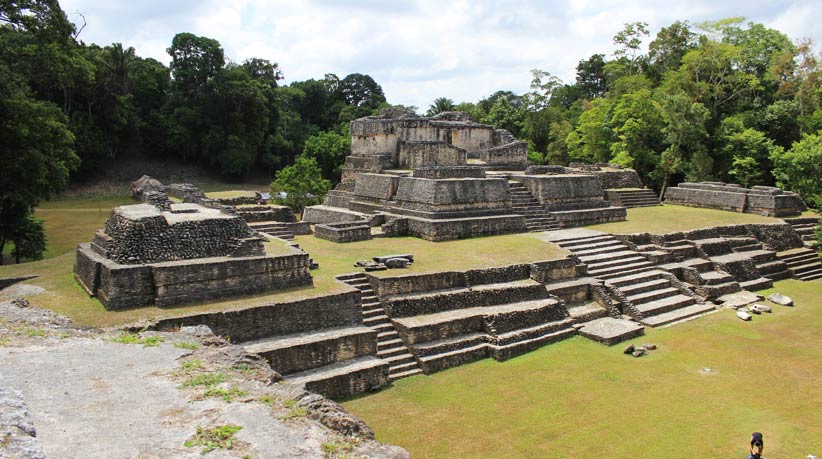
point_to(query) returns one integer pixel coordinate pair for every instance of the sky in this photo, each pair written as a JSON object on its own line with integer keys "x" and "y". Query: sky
{"x": 417, "y": 50}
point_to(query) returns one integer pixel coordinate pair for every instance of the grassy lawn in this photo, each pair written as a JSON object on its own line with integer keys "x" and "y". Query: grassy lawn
{"x": 228, "y": 194}
{"x": 671, "y": 218}
{"x": 579, "y": 399}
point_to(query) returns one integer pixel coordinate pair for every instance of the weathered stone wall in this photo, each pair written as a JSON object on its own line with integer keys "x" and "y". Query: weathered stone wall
{"x": 328, "y": 214}
{"x": 555, "y": 270}
{"x": 421, "y": 154}
{"x": 451, "y": 172}
{"x": 768, "y": 201}
{"x": 609, "y": 175}
{"x": 318, "y": 348}
{"x": 451, "y": 198}
{"x": 185, "y": 192}
{"x": 565, "y": 192}
{"x": 142, "y": 234}
{"x": 775, "y": 236}
{"x": 379, "y": 187}
{"x": 498, "y": 275}
{"x": 286, "y": 318}
{"x": 447, "y": 301}
{"x": 267, "y": 213}
{"x": 121, "y": 286}
{"x": 343, "y": 232}
{"x": 461, "y": 228}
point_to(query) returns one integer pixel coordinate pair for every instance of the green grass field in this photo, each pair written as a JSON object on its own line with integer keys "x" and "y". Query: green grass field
{"x": 670, "y": 218}
{"x": 580, "y": 399}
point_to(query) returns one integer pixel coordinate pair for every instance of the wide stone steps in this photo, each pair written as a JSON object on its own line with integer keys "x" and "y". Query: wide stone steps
{"x": 663, "y": 305}
{"x": 274, "y": 229}
{"x": 677, "y": 315}
{"x": 350, "y": 376}
{"x": 636, "y": 278}
{"x": 524, "y": 203}
{"x": 642, "y": 287}
{"x": 390, "y": 347}
{"x": 652, "y": 295}
{"x": 636, "y": 198}
{"x": 586, "y": 311}
{"x": 804, "y": 264}
{"x": 619, "y": 268}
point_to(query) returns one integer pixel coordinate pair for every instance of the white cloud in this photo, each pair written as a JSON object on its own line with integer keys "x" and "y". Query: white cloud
{"x": 420, "y": 50}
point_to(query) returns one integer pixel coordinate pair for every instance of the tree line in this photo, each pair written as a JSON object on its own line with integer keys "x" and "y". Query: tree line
{"x": 68, "y": 106}
{"x": 724, "y": 100}
{"x": 719, "y": 100}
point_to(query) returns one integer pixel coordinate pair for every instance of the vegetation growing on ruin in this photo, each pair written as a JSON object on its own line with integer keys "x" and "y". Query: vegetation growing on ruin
{"x": 710, "y": 384}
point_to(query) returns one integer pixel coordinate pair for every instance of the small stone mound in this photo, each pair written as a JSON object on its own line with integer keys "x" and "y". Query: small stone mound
{"x": 780, "y": 299}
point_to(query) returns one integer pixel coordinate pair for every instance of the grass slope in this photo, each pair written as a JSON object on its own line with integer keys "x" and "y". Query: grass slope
{"x": 578, "y": 399}
{"x": 670, "y": 218}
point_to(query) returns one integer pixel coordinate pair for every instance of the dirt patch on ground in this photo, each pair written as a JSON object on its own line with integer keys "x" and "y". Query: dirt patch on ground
{"x": 120, "y": 394}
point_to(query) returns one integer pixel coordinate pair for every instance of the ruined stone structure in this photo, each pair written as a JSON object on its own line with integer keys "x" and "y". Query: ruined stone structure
{"x": 168, "y": 254}
{"x": 447, "y": 177}
{"x": 762, "y": 200}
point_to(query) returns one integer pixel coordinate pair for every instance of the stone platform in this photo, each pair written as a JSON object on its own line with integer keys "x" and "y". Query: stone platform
{"x": 610, "y": 331}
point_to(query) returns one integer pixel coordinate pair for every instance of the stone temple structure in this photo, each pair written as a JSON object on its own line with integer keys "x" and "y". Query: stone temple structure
{"x": 166, "y": 254}
{"x": 447, "y": 177}
{"x": 763, "y": 200}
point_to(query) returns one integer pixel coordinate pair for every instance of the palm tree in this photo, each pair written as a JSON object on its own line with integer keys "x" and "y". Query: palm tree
{"x": 441, "y": 104}
{"x": 119, "y": 62}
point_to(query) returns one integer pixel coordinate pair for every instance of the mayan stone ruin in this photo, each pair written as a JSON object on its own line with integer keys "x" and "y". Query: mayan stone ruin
{"x": 762, "y": 200}
{"x": 166, "y": 253}
{"x": 447, "y": 177}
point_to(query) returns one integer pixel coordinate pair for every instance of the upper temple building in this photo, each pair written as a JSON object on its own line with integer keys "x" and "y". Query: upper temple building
{"x": 447, "y": 177}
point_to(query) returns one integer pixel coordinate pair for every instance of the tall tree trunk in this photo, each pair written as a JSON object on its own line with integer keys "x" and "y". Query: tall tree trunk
{"x": 664, "y": 187}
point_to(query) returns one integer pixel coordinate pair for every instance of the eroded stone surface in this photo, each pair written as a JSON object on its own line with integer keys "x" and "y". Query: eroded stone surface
{"x": 780, "y": 299}
{"x": 739, "y": 299}
{"x": 610, "y": 331}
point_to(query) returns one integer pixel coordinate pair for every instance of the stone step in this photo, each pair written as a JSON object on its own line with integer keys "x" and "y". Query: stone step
{"x": 678, "y": 314}
{"x": 631, "y": 259}
{"x": 385, "y": 353}
{"x": 779, "y": 275}
{"x": 715, "y": 277}
{"x": 596, "y": 259}
{"x": 810, "y": 275}
{"x": 389, "y": 344}
{"x": 453, "y": 358}
{"x": 663, "y": 305}
{"x": 399, "y": 359}
{"x": 372, "y": 313}
{"x": 771, "y": 267}
{"x": 805, "y": 268}
{"x": 404, "y": 374}
{"x": 586, "y": 312}
{"x": 647, "y": 286}
{"x": 402, "y": 368}
{"x": 619, "y": 271}
{"x": 653, "y": 295}
{"x": 507, "y": 351}
{"x": 635, "y": 278}
{"x": 798, "y": 258}
{"x": 586, "y": 240}
{"x": 431, "y": 348}
{"x": 390, "y": 334}
{"x": 336, "y": 380}
{"x": 614, "y": 247}
{"x": 350, "y": 277}
{"x": 757, "y": 284}
{"x": 761, "y": 256}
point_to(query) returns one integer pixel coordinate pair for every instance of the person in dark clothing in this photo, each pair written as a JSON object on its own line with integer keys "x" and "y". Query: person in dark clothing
{"x": 757, "y": 446}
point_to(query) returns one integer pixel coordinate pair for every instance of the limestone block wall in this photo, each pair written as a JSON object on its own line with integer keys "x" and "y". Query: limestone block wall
{"x": 185, "y": 192}
{"x": 461, "y": 228}
{"x": 775, "y": 236}
{"x": 286, "y": 318}
{"x": 120, "y": 286}
{"x": 425, "y": 153}
{"x": 762, "y": 200}
{"x": 266, "y": 213}
{"x": 343, "y": 231}
{"x": 450, "y": 198}
{"x": 142, "y": 234}
{"x": 379, "y": 187}
{"x": 449, "y": 172}
{"x": 565, "y": 192}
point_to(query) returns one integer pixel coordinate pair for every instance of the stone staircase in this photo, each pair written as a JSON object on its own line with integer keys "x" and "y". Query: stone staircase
{"x": 274, "y": 229}
{"x": 804, "y": 263}
{"x": 648, "y": 294}
{"x": 524, "y": 203}
{"x": 805, "y": 227}
{"x": 452, "y": 326}
{"x": 632, "y": 197}
{"x": 766, "y": 261}
{"x": 390, "y": 347}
